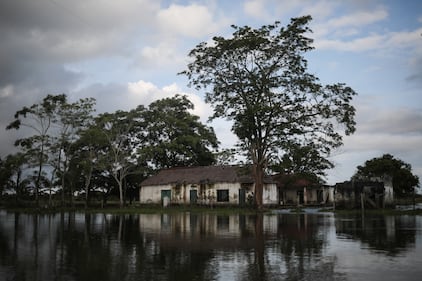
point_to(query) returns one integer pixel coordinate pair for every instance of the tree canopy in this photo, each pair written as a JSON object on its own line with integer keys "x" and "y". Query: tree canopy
{"x": 68, "y": 149}
{"x": 258, "y": 79}
{"x": 176, "y": 137}
{"x": 404, "y": 181}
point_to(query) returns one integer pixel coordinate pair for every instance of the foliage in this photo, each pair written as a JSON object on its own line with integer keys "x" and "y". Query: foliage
{"x": 226, "y": 156}
{"x": 85, "y": 160}
{"x": 39, "y": 117}
{"x": 12, "y": 174}
{"x": 304, "y": 162}
{"x": 258, "y": 79}
{"x": 404, "y": 181}
{"x": 4, "y": 175}
{"x": 55, "y": 124}
{"x": 175, "y": 137}
{"x": 109, "y": 152}
{"x": 124, "y": 134}
{"x": 72, "y": 118}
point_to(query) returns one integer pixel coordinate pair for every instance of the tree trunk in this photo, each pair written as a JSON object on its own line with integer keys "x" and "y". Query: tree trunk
{"x": 38, "y": 180}
{"x": 37, "y": 183}
{"x": 87, "y": 184}
{"x": 63, "y": 190}
{"x": 50, "y": 187}
{"x": 18, "y": 183}
{"x": 259, "y": 184}
{"x": 121, "y": 193}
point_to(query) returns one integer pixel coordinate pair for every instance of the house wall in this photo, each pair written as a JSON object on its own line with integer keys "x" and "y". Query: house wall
{"x": 388, "y": 188}
{"x": 349, "y": 197}
{"x": 328, "y": 194}
{"x": 290, "y": 197}
{"x": 308, "y": 196}
{"x": 345, "y": 197}
{"x": 270, "y": 195}
{"x": 206, "y": 193}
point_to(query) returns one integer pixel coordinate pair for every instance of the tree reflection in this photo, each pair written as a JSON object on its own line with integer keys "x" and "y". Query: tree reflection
{"x": 184, "y": 246}
{"x": 388, "y": 234}
{"x": 300, "y": 243}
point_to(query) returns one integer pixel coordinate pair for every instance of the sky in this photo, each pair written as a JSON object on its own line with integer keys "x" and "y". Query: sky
{"x": 129, "y": 52}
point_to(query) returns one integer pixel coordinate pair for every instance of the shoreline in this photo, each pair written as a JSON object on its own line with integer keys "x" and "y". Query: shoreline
{"x": 223, "y": 210}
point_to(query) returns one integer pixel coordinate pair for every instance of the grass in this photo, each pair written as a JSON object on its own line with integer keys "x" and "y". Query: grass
{"x": 113, "y": 208}
{"x": 136, "y": 208}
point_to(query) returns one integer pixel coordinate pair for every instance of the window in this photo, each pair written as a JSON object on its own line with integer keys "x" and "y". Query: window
{"x": 222, "y": 195}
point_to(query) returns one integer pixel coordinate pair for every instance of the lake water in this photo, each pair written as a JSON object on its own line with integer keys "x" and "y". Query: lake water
{"x": 76, "y": 246}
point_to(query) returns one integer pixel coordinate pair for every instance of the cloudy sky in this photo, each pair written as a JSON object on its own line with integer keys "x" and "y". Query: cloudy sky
{"x": 125, "y": 53}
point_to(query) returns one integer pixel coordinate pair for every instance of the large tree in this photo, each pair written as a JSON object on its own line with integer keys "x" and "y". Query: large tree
{"x": 12, "y": 173}
{"x": 123, "y": 132}
{"x": 72, "y": 118}
{"x": 302, "y": 162}
{"x": 39, "y": 118}
{"x": 85, "y": 158}
{"x": 258, "y": 78}
{"x": 404, "y": 181}
{"x": 175, "y": 137}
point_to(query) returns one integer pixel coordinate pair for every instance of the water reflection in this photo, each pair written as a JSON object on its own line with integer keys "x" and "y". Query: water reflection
{"x": 389, "y": 234}
{"x": 73, "y": 246}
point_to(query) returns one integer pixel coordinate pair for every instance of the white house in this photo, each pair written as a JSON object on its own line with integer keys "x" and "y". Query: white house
{"x": 207, "y": 185}
{"x": 294, "y": 189}
{"x": 377, "y": 192}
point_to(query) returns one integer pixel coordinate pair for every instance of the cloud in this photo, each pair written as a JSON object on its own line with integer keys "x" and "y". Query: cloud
{"x": 404, "y": 39}
{"x": 361, "y": 18}
{"x": 394, "y": 130}
{"x": 349, "y": 33}
{"x": 319, "y": 9}
{"x": 113, "y": 96}
{"x": 87, "y": 48}
{"x": 391, "y": 121}
{"x": 142, "y": 92}
{"x": 390, "y": 42}
{"x": 256, "y": 9}
{"x": 357, "y": 45}
{"x": 160, "y": 56}
{"x": 64, "y": 31}
{"x": 193, "y": 21}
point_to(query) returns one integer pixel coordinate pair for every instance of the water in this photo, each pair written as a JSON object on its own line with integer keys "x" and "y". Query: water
{"x": 310, "y": 246}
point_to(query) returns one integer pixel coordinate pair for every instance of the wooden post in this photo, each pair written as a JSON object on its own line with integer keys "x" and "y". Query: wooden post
{"x": 334, "y": 199}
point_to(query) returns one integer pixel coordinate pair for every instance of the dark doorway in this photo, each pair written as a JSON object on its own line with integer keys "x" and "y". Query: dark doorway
{"x": 165, "y": 193}
{"x": 300, "y": 197}
{"x": 242, "y": 197}
{"x": 193, "y": 196}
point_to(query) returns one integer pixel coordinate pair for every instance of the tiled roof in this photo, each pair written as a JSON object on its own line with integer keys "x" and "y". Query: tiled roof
{"x": 201, "y": 174}
{"x": 359, "y": 185}
{"x": 293, "y": 181}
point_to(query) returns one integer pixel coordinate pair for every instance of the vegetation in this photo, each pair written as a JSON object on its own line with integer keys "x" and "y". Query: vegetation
{"x": 258, "y": 79}
{"x": 113, "y": 207}
{"x": 404, "y": 181}
{"x": 176, "y": 138}
{"x": 68, "y": 150}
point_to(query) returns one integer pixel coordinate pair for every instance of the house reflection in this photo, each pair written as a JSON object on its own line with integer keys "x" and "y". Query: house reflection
{"x": 185, "y": 246}
{"x": 298, "y": 234}
{"x": 204, "y": 231}
{"x": 389, "y": 234}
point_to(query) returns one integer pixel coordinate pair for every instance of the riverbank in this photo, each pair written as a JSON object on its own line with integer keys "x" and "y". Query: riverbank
{"x": 403, "y": 207}
{"x": 226, "y": 210}
{"x": 113, "y": 208}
